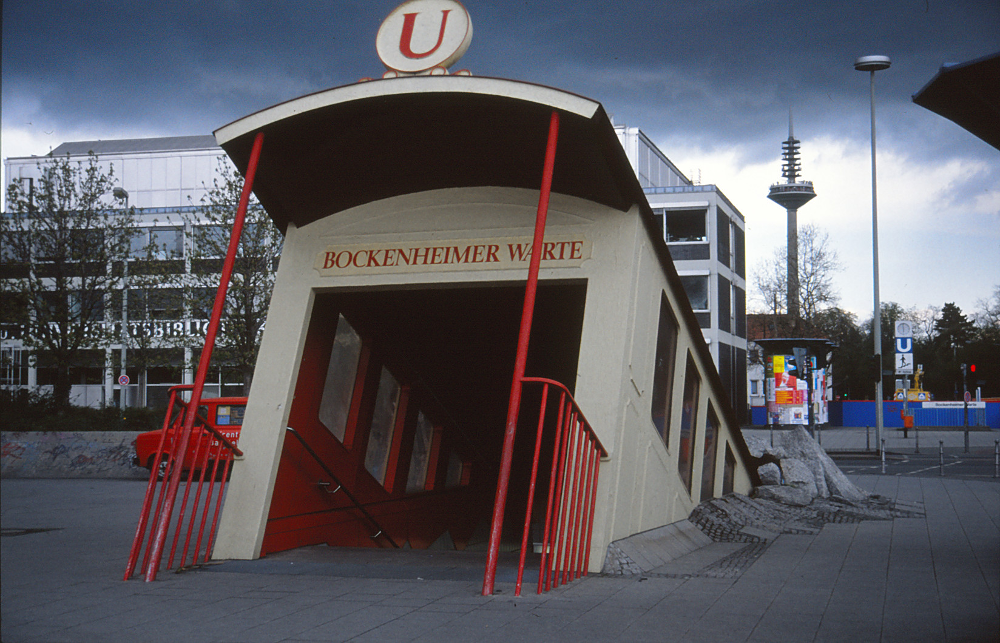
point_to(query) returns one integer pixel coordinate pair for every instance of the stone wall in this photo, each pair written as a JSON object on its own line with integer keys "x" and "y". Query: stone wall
{"x": 58, "y": 454}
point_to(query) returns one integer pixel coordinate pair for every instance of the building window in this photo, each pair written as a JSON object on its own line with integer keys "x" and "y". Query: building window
{"x": 663, "y": 370}
{"x": 686, "y": 225}
{"x": 689, "y": 420}
{"x": 160, "y": 243}
{"x": 739, "y": 243}
{"x": 724, "y": 307}
{"x": 383, "y": 423}
{"x": 728, "y": 472}
{"x": 341, "y": 374}
{"x": 696, "y": 287}
{"x": 754, "y": 384}
{"x": 722, "y": 242}
{"x": 416, "y": 479}
{"x": 708, "y": 463}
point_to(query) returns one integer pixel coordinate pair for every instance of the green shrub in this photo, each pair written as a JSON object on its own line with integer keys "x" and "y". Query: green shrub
{"x": 27, "y": 411}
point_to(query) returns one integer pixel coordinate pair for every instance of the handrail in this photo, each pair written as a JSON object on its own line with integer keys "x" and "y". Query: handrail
{"x": 576, "y": 407}
{"x": 572, "y": 494}
{"x": 206, "y": 424}
{"x": 305, "y": 445}
{"x": 219, "y": 453}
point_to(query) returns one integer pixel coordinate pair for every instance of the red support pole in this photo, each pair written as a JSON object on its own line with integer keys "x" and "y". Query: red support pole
{"x": 514, "y": 405}
{"x": 585, "y": 504}
{"x": 531, "y": 491}
{"x": 571, "y": 527}
{"x": 593, "y": 504}
{"x": 543, "y": 569}
{"x": 206, "y": 357}
{"x": 565, "y": 473}
{"x": 147, "y": 501}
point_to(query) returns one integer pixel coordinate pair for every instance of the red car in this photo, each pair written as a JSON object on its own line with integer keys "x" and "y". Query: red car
{"x": 224, "y": 414}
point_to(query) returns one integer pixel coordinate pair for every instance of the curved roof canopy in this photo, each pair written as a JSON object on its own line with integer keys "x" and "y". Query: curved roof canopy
{"x": 343, "y": 147}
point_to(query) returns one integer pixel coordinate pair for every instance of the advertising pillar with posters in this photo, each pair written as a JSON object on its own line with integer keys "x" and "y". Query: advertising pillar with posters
{"x": 795, "y": 385}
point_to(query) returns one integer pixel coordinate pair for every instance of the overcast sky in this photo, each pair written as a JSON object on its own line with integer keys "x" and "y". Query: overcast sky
{"x": 711, "y": 82}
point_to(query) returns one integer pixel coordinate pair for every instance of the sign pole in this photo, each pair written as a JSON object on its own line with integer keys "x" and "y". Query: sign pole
{"x": 514, "y": 405}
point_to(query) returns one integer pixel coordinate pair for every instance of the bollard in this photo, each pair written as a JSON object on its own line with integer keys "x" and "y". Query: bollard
{"x": 916, "y": 435}
{"x": 883, "y": 456}
{"x": 868, "y": 443}
{"x": 996, "y": 458}
{"x": 966, "y": 438}
{"x": 941, "y": 456}
{"x": 772, "y": 435}
{"x": 819, "y": 435}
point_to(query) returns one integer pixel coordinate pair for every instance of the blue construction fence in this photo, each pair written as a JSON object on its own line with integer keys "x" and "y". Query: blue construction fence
{"x": 862, "y": 413}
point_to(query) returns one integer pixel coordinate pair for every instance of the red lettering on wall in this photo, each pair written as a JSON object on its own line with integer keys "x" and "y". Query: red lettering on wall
{"x": 373, "y": 259}
{"x": 460, "y": 257}
{"x": 477, "y": 254}
{"x": 577, "y": 250}
{"x": 436, "y": 254}
{"x": 519, "y": 251}
{"x": 341, "y": 256}
{"x": 491, "y": 254}
{"x": 547, "y": 251}
{"x": 418, "y": 253}
{"x": 358, "y": 255}
{"x": 405, "y": 39}
{"x": 328, "y": 260}
{"x": 390, "y": 259}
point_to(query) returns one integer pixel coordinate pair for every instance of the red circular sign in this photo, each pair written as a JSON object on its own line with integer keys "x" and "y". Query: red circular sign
{"x": 123, "y": 380}
{"x": 420, "y": 35}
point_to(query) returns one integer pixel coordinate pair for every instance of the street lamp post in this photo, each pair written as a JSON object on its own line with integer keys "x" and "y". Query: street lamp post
{"x": 873, "y": 64}
{"x": 121, "y": 193}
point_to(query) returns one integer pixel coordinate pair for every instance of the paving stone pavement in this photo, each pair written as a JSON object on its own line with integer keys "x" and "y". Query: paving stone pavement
{"x": 934, "y": 577}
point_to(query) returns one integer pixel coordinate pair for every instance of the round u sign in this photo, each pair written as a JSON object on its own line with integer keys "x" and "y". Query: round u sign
{"x": 420, "y": 35}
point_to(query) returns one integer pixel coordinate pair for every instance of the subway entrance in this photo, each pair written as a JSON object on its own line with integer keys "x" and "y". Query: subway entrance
{"x": 396, "y": 427}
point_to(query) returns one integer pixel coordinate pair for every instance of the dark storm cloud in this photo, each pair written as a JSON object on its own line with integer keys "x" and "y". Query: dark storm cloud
{"x": 717, "y": 73}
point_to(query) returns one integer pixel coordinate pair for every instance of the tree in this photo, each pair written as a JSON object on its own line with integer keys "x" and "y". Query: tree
{"x": 851, "y": 362}
{"x": 253, "y": 275}
{"x": 818, "y": 263}
{"x": 63, "y": 244}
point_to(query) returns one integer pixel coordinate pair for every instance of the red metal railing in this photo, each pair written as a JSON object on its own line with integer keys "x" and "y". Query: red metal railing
{"x": 165, "y": 508}
{"x": 211, "y": 456}
{"x": 569, "y": 510}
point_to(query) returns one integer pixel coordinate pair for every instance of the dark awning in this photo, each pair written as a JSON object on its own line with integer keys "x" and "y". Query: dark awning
{"x": 343, "y": 147}
{"x": 968, "y": 94}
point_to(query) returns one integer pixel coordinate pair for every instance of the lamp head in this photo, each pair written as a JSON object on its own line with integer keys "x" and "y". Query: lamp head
{"x": 872, "y": 63}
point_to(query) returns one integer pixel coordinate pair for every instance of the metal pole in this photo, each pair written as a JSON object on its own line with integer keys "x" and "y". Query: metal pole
{"x": 883, "y": 456}
{"x": 868, "y": 443}
{"x": 996, "y": 458}
{"x": 206, "y": 356}
{"x": 941, "y": 456}
{"x": 916, "y": 436}
{"x": 878, "y": 305}
{"x": 524, "y": 335}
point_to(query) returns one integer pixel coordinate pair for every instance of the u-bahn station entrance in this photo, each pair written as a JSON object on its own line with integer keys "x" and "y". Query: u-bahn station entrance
{"x": 477, "y": 339}
{"x": 408, "y": 207}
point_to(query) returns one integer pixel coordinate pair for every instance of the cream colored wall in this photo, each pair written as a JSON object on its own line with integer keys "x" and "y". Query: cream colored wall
{"x": 639, "y": 487}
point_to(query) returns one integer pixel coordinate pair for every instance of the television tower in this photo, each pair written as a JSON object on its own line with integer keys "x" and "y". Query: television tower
{"x": 792, "y": 195}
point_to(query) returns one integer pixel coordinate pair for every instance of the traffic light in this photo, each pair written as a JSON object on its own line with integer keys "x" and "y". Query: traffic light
{"x": 972, "y": 368}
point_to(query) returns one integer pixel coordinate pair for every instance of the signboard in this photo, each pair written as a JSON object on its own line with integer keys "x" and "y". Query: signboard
{"x": 424, "y": 36}
{"x": 904, "y": 348}
{"x": 498, "y": 253}
{"x": 123, "y": 380}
